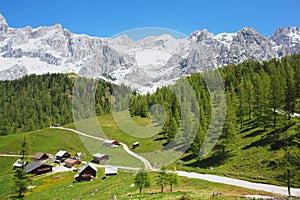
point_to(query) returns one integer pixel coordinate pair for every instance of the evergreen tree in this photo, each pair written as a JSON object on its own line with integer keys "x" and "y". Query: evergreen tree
{"x": 249, "y": 88}
{"x": 277, "y": 94}
{"x": 21, "y": 180}
{"x": 242, "y": 103}
{"x": 197, "y": 142}
{"x": 162, "y": 178}
{"x": 290, "y": 95}
{"x": 142, "y": 180}
{"x": 291, "y": 161}
{"x": 172, "y": 179}
{"x": 144, "y": 110}
{"x": 229, "y": 137}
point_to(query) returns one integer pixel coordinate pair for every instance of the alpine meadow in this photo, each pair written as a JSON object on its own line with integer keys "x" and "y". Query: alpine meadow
{"x": 90, "y": 111}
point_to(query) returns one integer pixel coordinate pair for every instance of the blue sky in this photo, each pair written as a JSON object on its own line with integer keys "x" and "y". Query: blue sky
{"x": 110, "y": 17}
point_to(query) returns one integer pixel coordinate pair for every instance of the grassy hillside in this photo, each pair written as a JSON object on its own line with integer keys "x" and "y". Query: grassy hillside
{"x": 51, "y": 140}
{"x": 47, "y": 140}
{"x": 112, "y": 131}
{"x": 252, "y": 158}
{"x": 6, "y": 175}
{"x": 119, "y": 185}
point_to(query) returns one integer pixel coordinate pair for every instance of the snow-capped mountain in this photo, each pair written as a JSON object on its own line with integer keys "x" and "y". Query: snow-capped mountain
{"x": 144, "y": 64}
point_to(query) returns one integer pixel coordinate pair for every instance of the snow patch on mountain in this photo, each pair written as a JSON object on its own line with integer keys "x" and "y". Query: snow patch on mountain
{"x": 145, "y": 64}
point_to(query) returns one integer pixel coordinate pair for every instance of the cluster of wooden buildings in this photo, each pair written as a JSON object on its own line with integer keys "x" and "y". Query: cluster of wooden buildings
{"x": 40, "y": 164}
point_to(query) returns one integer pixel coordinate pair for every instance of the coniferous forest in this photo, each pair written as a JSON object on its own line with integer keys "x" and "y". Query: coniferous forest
{"x": 34, "y": 102}
{"x": 259, "y": 91}
{"x": 266, "y": 93}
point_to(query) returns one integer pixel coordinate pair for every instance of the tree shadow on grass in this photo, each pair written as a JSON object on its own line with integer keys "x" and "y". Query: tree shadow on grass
{"x": 160, "y": 139}
{"x": 212, "y": 161}
{"x": 247, "y": 129}
{"x": 263, "y": 141}
{"x": 188, "y": 157}
{"x": 14, "y": 196}
{"x": 254, "y": 133}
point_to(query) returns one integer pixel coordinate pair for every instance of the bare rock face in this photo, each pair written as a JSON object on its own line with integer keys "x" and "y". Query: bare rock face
{"x": 286, "y": 41}
{"x": 144, "y": 64}
{"x": 250, "y": 44}
{"x": 13, "y": 72}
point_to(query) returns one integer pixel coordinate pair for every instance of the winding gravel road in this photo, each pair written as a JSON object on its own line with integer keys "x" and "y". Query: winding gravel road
{"x": 241, "y": 183}
{"x": 208, "y": 177}
{"x": 125, "y": 147}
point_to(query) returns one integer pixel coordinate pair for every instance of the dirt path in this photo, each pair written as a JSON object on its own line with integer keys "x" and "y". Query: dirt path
{"x": 241, "y": 183}
{"x": 125, "y": 147}
{"x": 12, "y": 155}
{"x": 208, "y": 177}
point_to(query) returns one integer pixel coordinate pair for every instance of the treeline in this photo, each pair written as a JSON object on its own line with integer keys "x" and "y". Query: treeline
{"x": 37, "y": 101}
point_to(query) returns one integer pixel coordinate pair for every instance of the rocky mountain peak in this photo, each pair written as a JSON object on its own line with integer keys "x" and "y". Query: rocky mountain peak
{"x": 286, "y": 40}
{"x": 144, "y": 64}
{"x": 123, "y": 39}
{"x": 3, "y": 23}
{"x": 199, "y": 35}
{"x": 250, "y": 33}
{"x": 2, "y": 19}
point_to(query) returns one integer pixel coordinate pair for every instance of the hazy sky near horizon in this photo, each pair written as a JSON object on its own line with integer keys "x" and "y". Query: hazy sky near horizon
{"x": 107, "y": 18}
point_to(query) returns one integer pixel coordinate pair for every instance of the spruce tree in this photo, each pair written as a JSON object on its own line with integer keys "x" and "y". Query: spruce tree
{"x": 290, "y": 91}
{"x": 142, "y": 180}
{"x": 172, "y": 179}
{"x": 21, "y": 180}
{"x": 162, "y": 178}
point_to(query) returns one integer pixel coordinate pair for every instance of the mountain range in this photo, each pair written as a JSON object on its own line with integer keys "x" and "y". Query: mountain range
{"x": 144, "y": 64}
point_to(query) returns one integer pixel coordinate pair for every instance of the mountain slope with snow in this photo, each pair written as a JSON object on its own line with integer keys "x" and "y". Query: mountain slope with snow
{"x": 144, "y": 64}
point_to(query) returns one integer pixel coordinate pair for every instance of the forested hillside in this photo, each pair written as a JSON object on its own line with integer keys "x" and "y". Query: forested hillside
{"x": 266, "y": 93}
{"x": 260, "y": 137}
{"x": 34, "y": 102}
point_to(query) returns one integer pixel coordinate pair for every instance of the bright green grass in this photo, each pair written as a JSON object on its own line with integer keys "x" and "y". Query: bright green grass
{"x": 52, "y": 140}
{"x": 111, "y": 130}
{"x": 61, "y": 186}
{"x": 47, "y": 140}
{"x": 251, "y": 163}
{"x": 117, "y": 156}
{"x": 252, "y": 159}
{"x": 6, "y": 175}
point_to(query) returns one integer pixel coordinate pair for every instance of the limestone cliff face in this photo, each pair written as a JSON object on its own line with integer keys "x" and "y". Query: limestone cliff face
{"x": 144, "y": 64}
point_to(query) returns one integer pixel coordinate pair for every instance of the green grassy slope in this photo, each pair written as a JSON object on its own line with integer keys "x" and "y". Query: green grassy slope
{"x": 6, "y": 176}
{"x": 51, "y": 140}
{"x": 119, "y": 185}
{"x": 252, "y": 158}
{"x": 112, "y": 131}
{"x": 47, "y": 140}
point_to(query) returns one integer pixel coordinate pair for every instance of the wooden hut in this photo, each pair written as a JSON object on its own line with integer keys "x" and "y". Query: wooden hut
{"x": 86, "y": 173}
{"x": 38, "y": 168}
{"x": 40, "y": 156}
{"x": 98, "y": 157}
